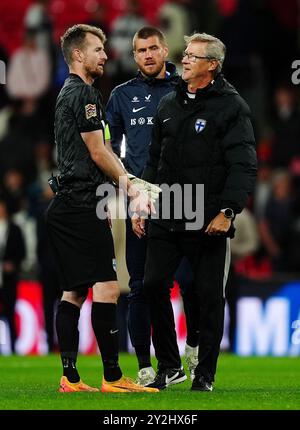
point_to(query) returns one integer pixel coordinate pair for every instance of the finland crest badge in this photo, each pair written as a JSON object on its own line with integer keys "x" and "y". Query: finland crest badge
{"x": 90, "y": 111}
{"x": 200, "y": 125}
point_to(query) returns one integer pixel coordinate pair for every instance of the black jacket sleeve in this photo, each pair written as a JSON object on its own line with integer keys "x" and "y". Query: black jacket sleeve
{"x": 150, "y": 171}
{"x": 240, "y": 160}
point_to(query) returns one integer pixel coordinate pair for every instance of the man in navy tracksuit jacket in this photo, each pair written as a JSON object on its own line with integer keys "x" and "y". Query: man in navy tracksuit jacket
{"x": 130, "y": 112}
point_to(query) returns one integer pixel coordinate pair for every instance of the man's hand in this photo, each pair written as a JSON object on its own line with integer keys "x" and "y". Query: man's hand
{"x": 140, "y": 202}
{"x": 138, "y": 226}
{"x": 219, "y": 225}
{"x": 142, "y": 195}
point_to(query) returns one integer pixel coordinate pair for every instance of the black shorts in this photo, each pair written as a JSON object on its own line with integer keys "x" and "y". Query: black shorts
{"x": 82, "y": 245}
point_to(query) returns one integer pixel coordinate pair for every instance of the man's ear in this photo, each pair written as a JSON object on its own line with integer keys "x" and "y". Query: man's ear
{"x": 213, "y": 65}
{"x": 77, "y": 55}
{"x": 166, "y": 51}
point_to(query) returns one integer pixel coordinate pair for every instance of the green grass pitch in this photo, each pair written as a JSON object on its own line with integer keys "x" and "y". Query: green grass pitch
{"x": 242, "y": 383}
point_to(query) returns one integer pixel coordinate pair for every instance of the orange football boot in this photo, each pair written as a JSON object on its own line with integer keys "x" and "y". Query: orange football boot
{"x": 71, "y": 387}
{"x": 125, "y": 385}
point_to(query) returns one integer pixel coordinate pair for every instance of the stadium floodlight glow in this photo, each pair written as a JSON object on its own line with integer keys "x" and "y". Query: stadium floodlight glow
{"x": 2, "y": 72}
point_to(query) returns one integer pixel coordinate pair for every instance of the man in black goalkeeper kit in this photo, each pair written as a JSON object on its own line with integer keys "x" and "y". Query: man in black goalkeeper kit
{"x": 202, "y": 134}
{"x": 82, "y": 242}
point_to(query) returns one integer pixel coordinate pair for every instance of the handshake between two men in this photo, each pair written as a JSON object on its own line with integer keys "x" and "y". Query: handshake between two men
{"x": 143, "y": 195}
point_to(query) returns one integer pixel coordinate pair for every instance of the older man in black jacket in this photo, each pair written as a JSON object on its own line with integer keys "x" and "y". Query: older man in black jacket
{"x": 202, "y": 135}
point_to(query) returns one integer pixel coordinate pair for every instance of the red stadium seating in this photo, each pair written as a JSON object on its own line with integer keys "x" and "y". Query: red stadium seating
{"x": 63, "y": 12}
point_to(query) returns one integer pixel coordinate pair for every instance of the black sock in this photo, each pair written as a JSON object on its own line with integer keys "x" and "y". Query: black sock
{"x": 68, "y": 338}
{"x": 143, "y": 355}
{"x": 104, "y": 322}
{"x": 193, "y": 338}
{"x": 69, "y": 368}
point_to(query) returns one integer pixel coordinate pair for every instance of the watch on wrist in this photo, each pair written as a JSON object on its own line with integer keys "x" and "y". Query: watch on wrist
{"x": 228, "y": 212}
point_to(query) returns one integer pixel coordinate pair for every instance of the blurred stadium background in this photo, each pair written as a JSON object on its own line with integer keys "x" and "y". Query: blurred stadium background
{"x": 262, "y": 38}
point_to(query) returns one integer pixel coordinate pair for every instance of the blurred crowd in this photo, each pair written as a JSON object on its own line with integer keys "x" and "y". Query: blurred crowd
{"x": 262, "y": 39}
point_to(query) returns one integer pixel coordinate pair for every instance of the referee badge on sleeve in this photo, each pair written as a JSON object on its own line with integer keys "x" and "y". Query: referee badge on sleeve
{"x": 90, "y": 111}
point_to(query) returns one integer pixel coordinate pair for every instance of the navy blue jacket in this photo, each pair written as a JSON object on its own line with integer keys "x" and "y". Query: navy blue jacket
{"x": 130, "y": 112}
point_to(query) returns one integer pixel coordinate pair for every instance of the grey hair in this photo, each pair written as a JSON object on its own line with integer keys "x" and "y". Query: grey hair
{"x": 215, "y": 48}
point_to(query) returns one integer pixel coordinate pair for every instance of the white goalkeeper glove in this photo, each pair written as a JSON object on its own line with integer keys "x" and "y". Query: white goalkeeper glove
{"x": 144, "y": 186}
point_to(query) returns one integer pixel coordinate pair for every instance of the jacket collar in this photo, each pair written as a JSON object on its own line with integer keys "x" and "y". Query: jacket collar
{"x": 74, "y": 76}
{"x": 218, "y": 86}
{"x": 171, "y": 76}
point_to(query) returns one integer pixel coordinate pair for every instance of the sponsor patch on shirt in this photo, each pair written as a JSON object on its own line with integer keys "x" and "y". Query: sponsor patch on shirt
{"x": 90, "y": 111}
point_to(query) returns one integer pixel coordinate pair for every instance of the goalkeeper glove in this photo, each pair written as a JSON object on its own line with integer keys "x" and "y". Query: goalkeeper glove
{"x": 144, "y": 186}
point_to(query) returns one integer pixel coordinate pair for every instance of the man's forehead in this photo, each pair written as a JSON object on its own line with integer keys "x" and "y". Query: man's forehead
{"x": 93, "y": 39}
{"x": 145, "y": 43}
{"x": 197, "y": 46}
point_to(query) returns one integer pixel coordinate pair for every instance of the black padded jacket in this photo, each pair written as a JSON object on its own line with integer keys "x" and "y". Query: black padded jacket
{"x": 206, "y": 140}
